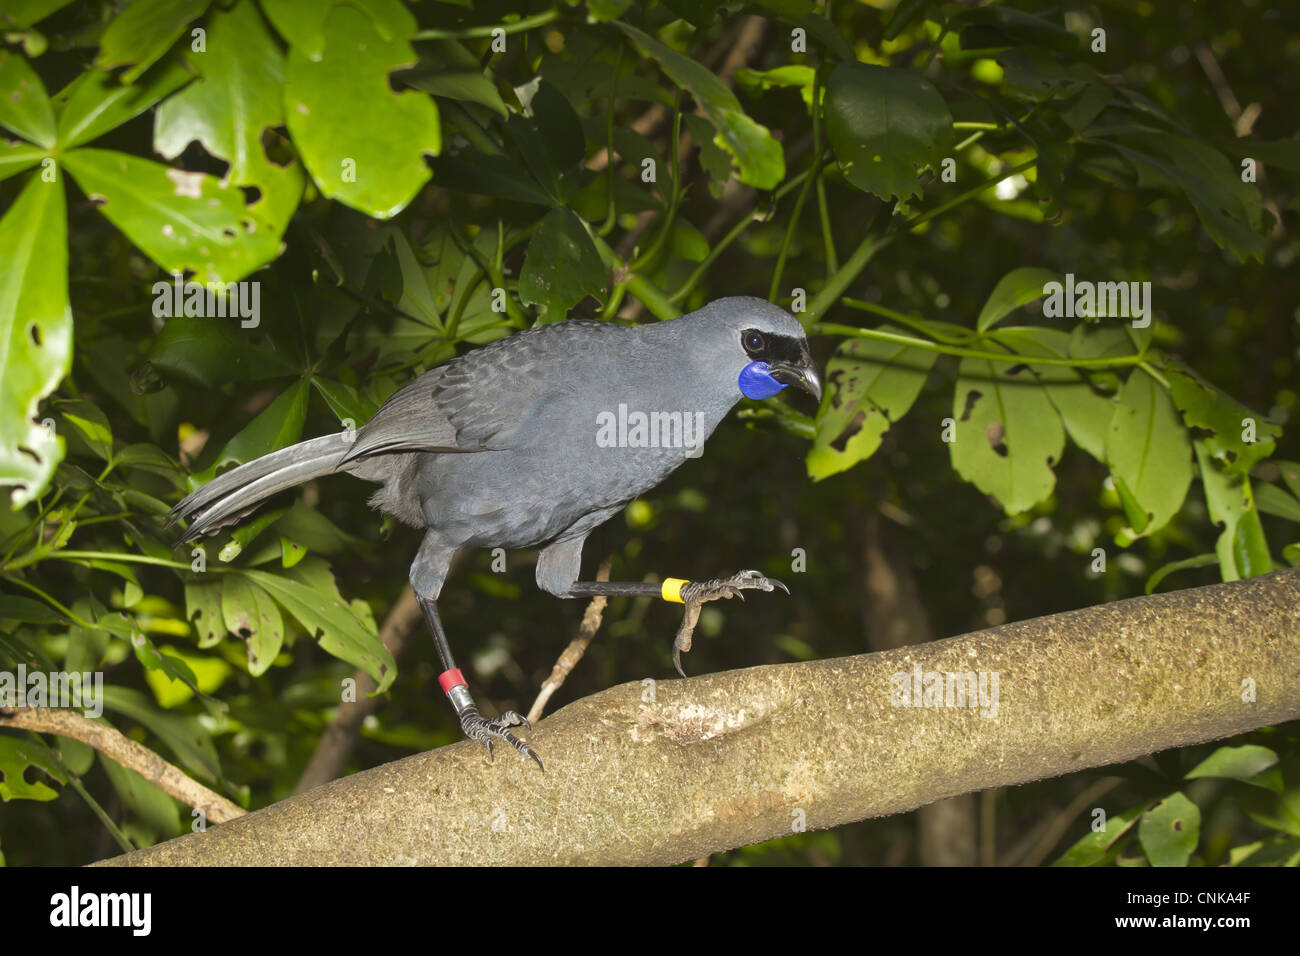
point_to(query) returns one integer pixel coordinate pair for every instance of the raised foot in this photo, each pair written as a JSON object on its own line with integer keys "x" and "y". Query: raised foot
{"x": 489, "y": 731}
{"x": 695, "y": 594}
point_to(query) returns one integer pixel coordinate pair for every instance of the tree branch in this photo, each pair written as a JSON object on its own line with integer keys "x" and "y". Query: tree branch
{"x": 171, "y": 780}
{"x": 658, "y": 773}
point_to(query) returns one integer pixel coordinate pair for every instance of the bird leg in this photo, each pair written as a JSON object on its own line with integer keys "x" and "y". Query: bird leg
{"x": 692, "y": 594}
{"x": 453, "y": 683}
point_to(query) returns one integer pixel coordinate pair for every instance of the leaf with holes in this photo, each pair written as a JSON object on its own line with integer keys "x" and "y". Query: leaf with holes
{"x": 1149, "y": 454}
{"x": 239, "y": 96}
{"x": 1169, "y": 831}
{"x": 1008, "y": 434}
{"x": 883, "y": 125}
{"x": 35, "y": 334}
{"x": 363, "y": 143}
{"x": 1085, "y": 411}
{"x": 252, "y": 616}
{"x": 16, "y": 756}
{"x": 1228, "y": 422}
{"x": 203, "y": 610}
{"x": 562, "y": 266}
{"x": 870, "y": 384}
{"x": 1241, "y": 548}
{"x": 183, "y": 221}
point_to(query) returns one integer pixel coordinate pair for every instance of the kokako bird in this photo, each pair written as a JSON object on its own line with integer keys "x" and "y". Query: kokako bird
{"x": 533, "y": 441}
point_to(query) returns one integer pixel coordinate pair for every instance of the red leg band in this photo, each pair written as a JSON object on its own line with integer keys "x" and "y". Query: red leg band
{"x": 450, "y": 679}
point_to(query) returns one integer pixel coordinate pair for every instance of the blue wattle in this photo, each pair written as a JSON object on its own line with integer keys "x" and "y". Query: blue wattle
{"x": 756, "y": 381}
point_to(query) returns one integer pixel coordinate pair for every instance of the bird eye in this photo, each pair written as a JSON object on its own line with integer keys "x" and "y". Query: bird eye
{"x": 753, "y": 341}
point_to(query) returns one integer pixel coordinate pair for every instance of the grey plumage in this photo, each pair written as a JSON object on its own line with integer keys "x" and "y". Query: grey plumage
{"x": 499, "y": 447}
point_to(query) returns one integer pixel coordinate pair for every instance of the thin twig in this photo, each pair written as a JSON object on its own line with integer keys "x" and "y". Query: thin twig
{"x": 125, "y": 751}
{"x": 568, "y": 660}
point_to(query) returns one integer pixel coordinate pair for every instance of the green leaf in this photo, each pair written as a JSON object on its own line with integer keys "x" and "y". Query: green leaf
{"x": 90, "y": 422}
{"x": 758, "y": 156}
{"x": 1290, "y": 472}
{"x": 95, "y": 102}
{"x": 1170, "y": 830}
{"x": 883, "y": 125}
{"x": 327, "y": 618}
{"x": 16, "y": 756}
{"x": 1008, "y": 434}
{"x": 14, "y": 607}
{"x": 1206, "y": 407}
{"x": 151, "y": 805}
{"x": 248, "y": 532}
{"x": 1018, "y": 287}
{"x": 870, "y": 384}
{"x": 1085, "y": 411}
{"x": 1149, "y": 454}
{"x": 1243, "y": 763}
{"x": 276, "y": 426}
{"x": 291, "y": 552}
{"x": 562, "y": 266}
{"x": 183, "y": 221}
{"x": 345, "y": 401}
{"x": 501, "y": 177}
{"x": 1276, "y": 810}
{"x": 25, "y": 107}
{"x": 203, "y": 610}
{"x": 905, "y": 14}
{"x": 24, "y": 13}
{"x": 1231, "y": 505}
{"x": 457, "y": 75}
{"x": 16, "y": 156}
{"x": 252, "y": 615}
{"x": 211, "y": 352}
{"x": 1228, "y": 208}
{"x": 1198, "y": 561}
{"x": 1097, "y": 845}
{"x": 143, "y": 32}
{"x": 997, "y": 26}
{"x": 35, "y": 334}
{"x": 238, "y": 97}
{"x": 1273, "y": 500}
{"x": 795, "y": 76}
{"x": 363, "y": 144}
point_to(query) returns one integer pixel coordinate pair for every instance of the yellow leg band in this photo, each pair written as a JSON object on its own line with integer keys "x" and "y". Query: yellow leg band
{"x": 672, "y": 589}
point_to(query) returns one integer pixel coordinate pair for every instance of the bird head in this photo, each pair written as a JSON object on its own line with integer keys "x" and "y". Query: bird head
{"x": 767, "y": 347}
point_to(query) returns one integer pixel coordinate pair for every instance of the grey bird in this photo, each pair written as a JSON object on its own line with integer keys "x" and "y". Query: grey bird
{"x": 533, "y": 441}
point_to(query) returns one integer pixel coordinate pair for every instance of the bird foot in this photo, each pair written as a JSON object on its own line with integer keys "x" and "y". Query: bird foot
{"x": 695, "y": 594}
{"x": 488, "y": 731}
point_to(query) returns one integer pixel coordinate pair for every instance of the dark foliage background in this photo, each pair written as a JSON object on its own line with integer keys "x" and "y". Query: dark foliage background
{"x": 364, "y": 284}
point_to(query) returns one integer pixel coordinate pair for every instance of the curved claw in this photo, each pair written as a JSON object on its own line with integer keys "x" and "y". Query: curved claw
{"x": 490, "y": 731}
{"x": 780, "y": 585}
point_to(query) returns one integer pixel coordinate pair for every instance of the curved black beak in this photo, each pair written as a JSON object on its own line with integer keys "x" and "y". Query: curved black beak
{"x": 802, "y": 375}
